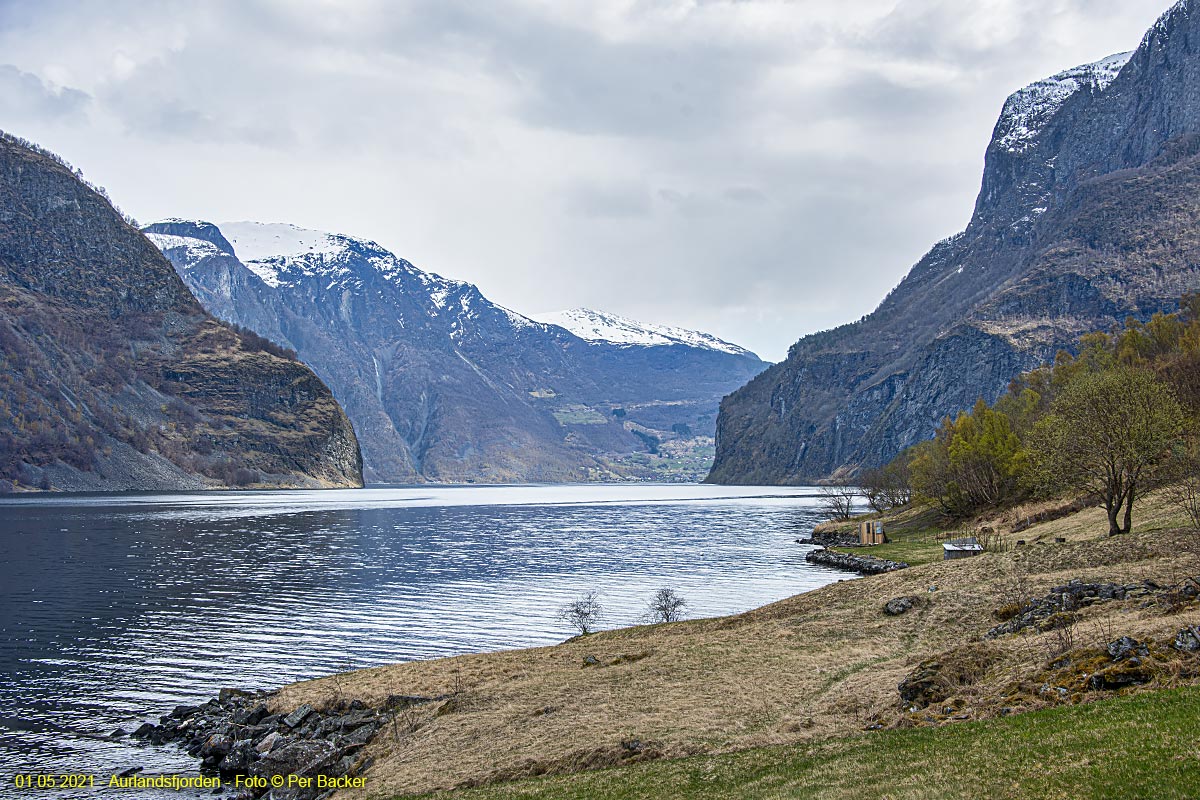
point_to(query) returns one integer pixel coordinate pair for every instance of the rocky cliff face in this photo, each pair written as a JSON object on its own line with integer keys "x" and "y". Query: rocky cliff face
{"x": 113, "y": 377}
{"x": 1087, "y": 214}
{"x": 444, "y": 385}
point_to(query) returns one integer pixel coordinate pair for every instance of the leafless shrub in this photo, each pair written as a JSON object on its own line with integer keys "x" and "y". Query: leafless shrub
{"x": 992, "y": 540}
{"x": 1185, "y": 495}
{"x": 583, "y": 614}
{"x": 1103, "y": 632}
{"x": 1016, "y": 590}
{"x": 1061, "y": 638}
{"x": 666, "y": 606}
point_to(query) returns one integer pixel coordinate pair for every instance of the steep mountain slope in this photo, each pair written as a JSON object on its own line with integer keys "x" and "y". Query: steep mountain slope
{"x": 113, "y": 377}
{"x": 1088, "y": 213}
{"x": 441, "y": 383}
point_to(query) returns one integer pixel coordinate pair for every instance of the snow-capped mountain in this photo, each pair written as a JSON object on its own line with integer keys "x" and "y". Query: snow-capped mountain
{"x": 1085, "y": 216}
{"x": 598, "y": 326}
{"x": 440, "y": 382}
{"x": 1028, "y": 110}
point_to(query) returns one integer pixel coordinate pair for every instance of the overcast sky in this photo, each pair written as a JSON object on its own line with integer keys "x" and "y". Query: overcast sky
{"x": 759, "y": 170}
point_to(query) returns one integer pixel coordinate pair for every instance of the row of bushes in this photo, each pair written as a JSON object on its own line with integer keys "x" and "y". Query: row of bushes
{"x": 1114, "y": 420}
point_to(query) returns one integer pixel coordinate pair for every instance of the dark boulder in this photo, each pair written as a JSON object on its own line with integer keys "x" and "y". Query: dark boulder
{"x": 897, "y": 606}
{"x": 240, "y": 757}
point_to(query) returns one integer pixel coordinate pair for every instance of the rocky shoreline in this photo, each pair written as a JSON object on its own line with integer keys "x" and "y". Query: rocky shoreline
{"x": 833, "y": 538}
{"x": 315, "y": 751}
{"x": 865, "y": 565}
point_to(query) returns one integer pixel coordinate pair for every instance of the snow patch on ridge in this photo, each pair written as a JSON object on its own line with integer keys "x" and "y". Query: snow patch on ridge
{"x": 597, "y": 326}
{"x": 1028, "y": 110}
{"x": 286, "y": 255}
{"x": 194, "y": 249}
{"x": 260, "y": 241}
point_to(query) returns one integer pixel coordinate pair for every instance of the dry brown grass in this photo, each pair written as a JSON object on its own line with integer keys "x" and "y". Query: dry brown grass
{"x": 817, "y": 665}
{"x": 1150, "y": 513}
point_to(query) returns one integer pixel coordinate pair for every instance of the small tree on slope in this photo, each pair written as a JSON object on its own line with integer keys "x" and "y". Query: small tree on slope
{"x": 1110, "y": 433}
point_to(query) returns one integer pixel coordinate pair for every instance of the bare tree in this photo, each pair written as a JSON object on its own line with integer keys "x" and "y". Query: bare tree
{"x": 1185, "y": 495}
{"x": 887, "y": 487}
{"x": 1110, "y": 433}
{"x": 1183, "y": 488}
{"x": 837, "y": 500}
{"x": 583, "y": 614}
{"x": 666, "y": 606}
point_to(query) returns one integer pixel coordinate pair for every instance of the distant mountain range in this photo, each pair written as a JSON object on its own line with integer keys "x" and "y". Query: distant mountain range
{"x": 112, "y": 376}
{"x": 597, "y": 326}
{"x": 442, "y": 384}
{"x": 1089, "y": 212}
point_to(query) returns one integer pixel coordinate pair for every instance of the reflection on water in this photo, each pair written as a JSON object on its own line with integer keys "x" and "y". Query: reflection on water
{"x": 115, "y": 608}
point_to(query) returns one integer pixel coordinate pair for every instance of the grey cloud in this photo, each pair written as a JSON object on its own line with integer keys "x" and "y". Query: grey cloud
{"x": 24, "y": 95}
{"x": 760, "y": 182}
{"x": 880, "y": 100}
{"x": 174, "y": 119}
{"x": 745, "y": 195}
{"x": 608, "y": 201}
{"x": 589, "y": 87}
{"x": 574, "y": 79}
{"x": 689, "y": 204}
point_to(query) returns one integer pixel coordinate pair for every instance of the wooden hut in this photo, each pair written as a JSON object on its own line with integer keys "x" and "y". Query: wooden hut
{"x": 871, "y": 533}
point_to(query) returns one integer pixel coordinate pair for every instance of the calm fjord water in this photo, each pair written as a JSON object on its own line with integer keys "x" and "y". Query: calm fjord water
{"x": 115, "y": 608}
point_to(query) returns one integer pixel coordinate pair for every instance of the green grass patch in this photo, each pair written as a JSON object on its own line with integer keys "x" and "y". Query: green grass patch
{"x": 911, "y": 552}
{"x": 1143, "y": 746}
{"x": 575, "y": 414}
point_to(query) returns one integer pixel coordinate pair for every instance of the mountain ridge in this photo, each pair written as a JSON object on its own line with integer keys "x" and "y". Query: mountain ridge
{"x": 602, "y": 326}
{"x": 113, "y": 377}
{"x": 443, "y": 384}
{"x": 1067, "y": 236}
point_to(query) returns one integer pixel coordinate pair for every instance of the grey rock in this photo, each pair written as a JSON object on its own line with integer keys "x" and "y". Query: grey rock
{"x": 296, "y": 758}
{"x": 358, "y": 736}
{"x": 1066, "y": 599}
{"x": 834, "y": 539}
{"x": 298, "y": 716}
{"x": 1188, "y": 640}
{"x": 346, "y": 721}
{"x": 218, "y": 744}
{"x": 866, "y": 565}
{"x": 250, "y": 716}
{"x": 270, "y": 742}
{"x": 1126, "y": 647}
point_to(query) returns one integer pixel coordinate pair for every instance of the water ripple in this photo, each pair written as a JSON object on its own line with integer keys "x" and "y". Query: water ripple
{"x": 114, "y": 608}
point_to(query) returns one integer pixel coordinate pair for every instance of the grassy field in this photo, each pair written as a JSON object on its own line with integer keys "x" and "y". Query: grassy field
{"x": 793, "y": 685}
{"x": 910, "y": 551}
{"x": 576, "y": 414}
{"x": 1143, "y": 746}
{"x": 915, "y": 534}
{"x": 912, "y": 534}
